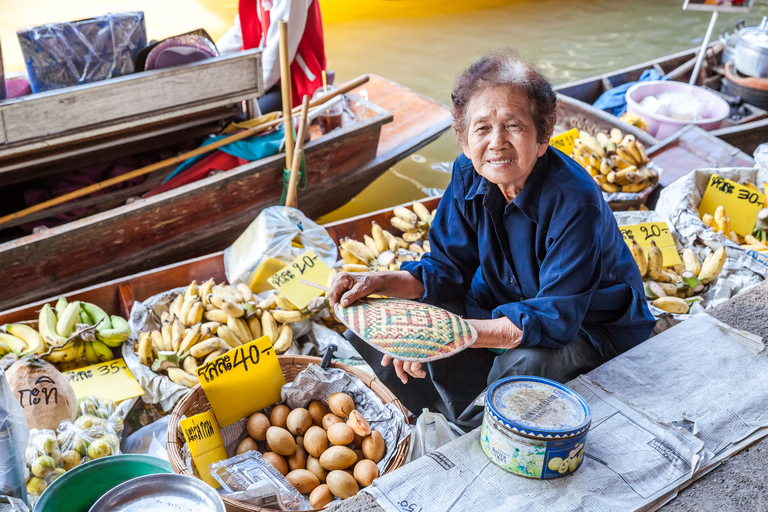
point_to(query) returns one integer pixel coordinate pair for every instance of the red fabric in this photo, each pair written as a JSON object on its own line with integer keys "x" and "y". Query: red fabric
{"x": 216, "y": 161}
{"x": 254, "y": 22}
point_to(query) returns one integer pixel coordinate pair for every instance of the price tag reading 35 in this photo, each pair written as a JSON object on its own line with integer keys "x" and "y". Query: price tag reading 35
{"x": 307, "y": 266}
{"x": 741, "y": 203}
{"x": 111, "y": 379}
{"x": 242, "y": 381}
{"x": 659, "y": 233}
{"x": 564, "y": 141}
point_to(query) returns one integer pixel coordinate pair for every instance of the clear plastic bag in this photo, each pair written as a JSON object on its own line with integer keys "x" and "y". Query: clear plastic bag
{"x": 248, "y": 477}
{"x": 45, "y": 462}
{"x": 88, "y": 438}
{"x": 142, "y": 440}
{"x": 277, "y": 236}
{"x": 14, "y": 434}
{"x": 431, "y": 432}
{"x": 103, "y": 408}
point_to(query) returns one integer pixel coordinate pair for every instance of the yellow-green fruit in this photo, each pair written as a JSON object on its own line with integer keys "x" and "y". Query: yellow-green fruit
{"x": 72, "y": 459}
{"x": 99, "y": 448}
{"x": 56, "y": 454}
{"x": 36, "y": 485}
{"x": 81, "y": 446}
{"x": 43, "y": 465}
{"x": 56, "y": 473}
{"x": 48, "y": 443}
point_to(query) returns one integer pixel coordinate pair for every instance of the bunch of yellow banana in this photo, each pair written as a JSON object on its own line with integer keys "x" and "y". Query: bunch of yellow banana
{"x": 384, "y": 251}
{"x": 617, "y": 162}
{"x": 720, "y": 222}
{"x": 208, "y": 320}
{"x": 675, "y": 289}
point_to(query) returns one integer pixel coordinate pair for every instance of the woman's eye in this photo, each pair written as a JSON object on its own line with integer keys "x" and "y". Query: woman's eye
{"x": 481, "y": 129}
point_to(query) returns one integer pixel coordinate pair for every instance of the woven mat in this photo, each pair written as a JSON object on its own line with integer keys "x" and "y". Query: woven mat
{"x": 406, "y": 329}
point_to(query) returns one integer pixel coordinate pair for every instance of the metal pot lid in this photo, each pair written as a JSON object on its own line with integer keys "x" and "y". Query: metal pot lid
{"x": 756, "y": 36}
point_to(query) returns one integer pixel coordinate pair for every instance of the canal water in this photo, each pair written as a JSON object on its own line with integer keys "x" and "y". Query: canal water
{"x": 424, "y": 44}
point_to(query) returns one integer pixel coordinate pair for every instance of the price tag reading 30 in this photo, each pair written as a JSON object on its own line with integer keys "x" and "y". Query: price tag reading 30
{"x": 111, "y": 379}
{"x": 741, "y": 203}
{"x": 658, "y": 232}
{"x": 242, "y": 381}
{"x": 564, "y": 141}
{"x": 308, "y": 266}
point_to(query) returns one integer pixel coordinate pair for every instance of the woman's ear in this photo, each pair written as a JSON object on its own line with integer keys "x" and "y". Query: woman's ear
{"x": 542, "y": 148}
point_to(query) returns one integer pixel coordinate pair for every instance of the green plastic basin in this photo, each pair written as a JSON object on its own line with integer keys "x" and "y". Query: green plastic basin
{"x": 79, "y": 488}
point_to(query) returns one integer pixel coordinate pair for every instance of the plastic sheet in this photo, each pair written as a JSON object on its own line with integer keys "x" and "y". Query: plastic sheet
{"x": 431, "y": 432}
{"x": 14, "y": 434}
{"x": 44, "y": 461}
{"x": 79, "y": 52}
{"x": 150, "y": 440}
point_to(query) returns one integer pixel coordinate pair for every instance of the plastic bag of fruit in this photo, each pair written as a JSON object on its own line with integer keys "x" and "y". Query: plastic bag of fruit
{"x": 45, "y": 461}
{"x": 102, "y": 408}
{"x": 88, "y": 438}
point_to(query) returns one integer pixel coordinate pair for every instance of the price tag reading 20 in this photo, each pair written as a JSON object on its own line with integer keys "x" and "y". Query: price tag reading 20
{"x": 659, "y": 233}
{"x": 307, "y": 267}
{"x": 242, "y": 381}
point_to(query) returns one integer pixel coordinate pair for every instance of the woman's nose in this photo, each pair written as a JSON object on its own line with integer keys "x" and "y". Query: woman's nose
{"x": 498, "y": 139}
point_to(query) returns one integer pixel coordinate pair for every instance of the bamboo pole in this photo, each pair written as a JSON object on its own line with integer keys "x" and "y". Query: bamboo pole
{"x": 285, "y": 87}
{"x": 176, "y": 159}
{"x": 291, "y": 197}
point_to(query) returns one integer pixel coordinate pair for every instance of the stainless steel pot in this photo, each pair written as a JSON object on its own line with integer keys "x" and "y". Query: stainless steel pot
{"x": 729, "y": 40}
{"x": 751, "y": 57}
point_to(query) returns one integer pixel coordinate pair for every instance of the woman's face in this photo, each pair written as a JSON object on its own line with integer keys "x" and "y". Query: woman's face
{"x": 502, "y": 137}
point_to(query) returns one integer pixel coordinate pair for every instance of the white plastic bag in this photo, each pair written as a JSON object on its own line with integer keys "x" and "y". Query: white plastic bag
{"x": 149, "y": 439}
{"x": 431, "y": 432}
{"x": 270, "y": 242}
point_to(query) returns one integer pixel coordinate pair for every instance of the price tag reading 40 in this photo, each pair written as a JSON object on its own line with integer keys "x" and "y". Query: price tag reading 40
{"x": 658, "y": 232}
{"x": 564, "y": 141}
{"x": 741, "y": 203}
{"x": 111, "y": 379}
{"x": 308, "y": 266}
{"x": 242, "y": 381}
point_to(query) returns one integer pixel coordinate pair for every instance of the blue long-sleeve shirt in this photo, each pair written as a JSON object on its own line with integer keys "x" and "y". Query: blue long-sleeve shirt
{"x": 553, "y": 260}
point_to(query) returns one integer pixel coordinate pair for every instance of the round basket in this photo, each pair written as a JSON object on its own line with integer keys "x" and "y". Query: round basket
{"x": 195, "y": 402}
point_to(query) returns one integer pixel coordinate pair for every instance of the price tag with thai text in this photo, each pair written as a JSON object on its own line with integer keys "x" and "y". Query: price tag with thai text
{"x": 741, "y": 203}
{"x": 205, "y": 443}
{"x": 658, "y": 232}
{"x": 111, "y": 379}
{"x": 242, "y": 381}
{"x": 308, "y": 267}
{"x": 564, "y": 141}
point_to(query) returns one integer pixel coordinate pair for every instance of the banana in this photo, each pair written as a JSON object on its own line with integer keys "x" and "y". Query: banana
{"x": 616, "y": 135}
{"x": 99, "y": 316}
{"x": 591, "y": 144}
{"x": 602, "y": 138}
{"x": 352, "y": 267}
{"x": 284, "y": 339}
{"x": 195, "y": 314}
{"x": 85, "y": 319}
{"x": 190, "y": 365}
{"x": 416, "y": 248}
{"x": 193, "y": 291}
{"x": 60, "y": 306}
{"x": 210, "y": 327}
{"x": 402, "y": 225}
{"x": 66, "y": 322}
{"x": 191, "y": 337}
{"x": 213, "y": 355}
{"x": 4, "y": 349}
{"x": 246, "y": 292}
{"x": 412, "y": 236}
{"x": 421, "y": 212}
{"x": 406, "y": 215}
{"x": 72, "y": 352}
{"x": 216, "y": 315}
{"x": 179, "y": 376}
{"x": 287, "y": 317}
{"x": 177, "y": 334}
{"x": 205, "y": 290}
{"x": 16, "y": 345}
{"x": 225, "y": 292}
{"x": 377, "y": 232}
{"x": 254, "y": 324}
{"x": 712, "y": 267}
{"x": 605, "y": 167}
{"x": 655, "y": 263}
{"x": 632, "y": 147}
{"x": 165, "y": 332}
{"x": 269, "y": 326}
{"x": 710, "y": 221}
{"x": 235, "y": 293}
{"x": 691, "y": 262}
{"x": 634, "y": 187}
{"x": 724, "y": 225}
{"x": 185, "y": 307}
{"x": 719, "y": 213}
{"x": 626, "y": 154}
{"x": 268, "y": 303}
{"x": 348, "y": 257}
{"x": 232, "y": 309}
{"x": 205, "y": 347}
{"x": 90, "y": 354}
{"x": 29, "y": 336}
{"x": 229, "y": 336}
{"x": 145, "y": 349}
{"x": 240, "y": 328}
{"x": 402, "y": 244}
{"x": 639, "y": 256}
{"x": 370, "y": 243}
{"x": 628, "y": 137}
{"x": 641, "y": 149}
{"x": 158, "y": 343}
{"x": 674, "y": 305}
{"x": 751, "y": 240}
{"x": 426, "y": 246}
{"x": 103, "y": 352}
{"x": 358, "y": 249}
{"x": 175, "y": 307}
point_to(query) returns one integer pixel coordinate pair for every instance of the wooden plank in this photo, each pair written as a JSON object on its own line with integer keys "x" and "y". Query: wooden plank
{"x": 140, "y": 96}
{"x": 574, "y": 113}
{"x": 746, "y": 136}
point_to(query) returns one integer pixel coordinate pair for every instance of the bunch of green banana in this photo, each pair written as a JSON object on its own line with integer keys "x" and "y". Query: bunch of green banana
{"x": 617, "y": 162}
{"x": 384, "y": 251}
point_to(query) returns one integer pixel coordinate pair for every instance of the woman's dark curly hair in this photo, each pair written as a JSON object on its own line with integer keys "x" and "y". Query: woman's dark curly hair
{"x": 505, "y": 67}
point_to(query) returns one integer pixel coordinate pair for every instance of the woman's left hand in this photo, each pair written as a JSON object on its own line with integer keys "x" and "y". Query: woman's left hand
{"x": 405, "y": 368}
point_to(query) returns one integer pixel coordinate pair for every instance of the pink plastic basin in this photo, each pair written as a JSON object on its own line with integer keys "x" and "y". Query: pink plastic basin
{"x": 661, "y": 126}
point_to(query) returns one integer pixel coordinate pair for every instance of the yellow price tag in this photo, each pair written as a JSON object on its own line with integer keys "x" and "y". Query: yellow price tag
{"x": 242, "y": 381}
{"x": 205, "y": 443}
{"x": 659, "y": 233}
{"x": 308, "y": 266}
{"x": 741, "y": 203}
{"x": 564, "y": 141}
{"x": 111, "y": 379}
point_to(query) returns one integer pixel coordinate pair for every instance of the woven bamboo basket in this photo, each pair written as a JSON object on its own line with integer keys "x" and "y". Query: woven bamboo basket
{"x": 195, "y": 402}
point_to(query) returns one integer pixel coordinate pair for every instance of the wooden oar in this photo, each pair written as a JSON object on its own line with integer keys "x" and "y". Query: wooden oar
{"x": 285, "y": 87}
{"x": 250, "y": 132}
{"x": 291, "y": 196}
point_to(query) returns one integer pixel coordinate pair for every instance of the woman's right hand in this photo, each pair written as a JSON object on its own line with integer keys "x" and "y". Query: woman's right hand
{"x": 347, "y": 287}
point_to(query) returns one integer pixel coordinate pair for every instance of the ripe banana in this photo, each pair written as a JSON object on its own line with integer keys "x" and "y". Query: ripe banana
{"x": 406, "y": 215}
{"x": 240, "y": 328}
{"x": 165, "y": 331}
{"x": 674, "y": 305}
{"x": 190, "y": 365}
{"x": 378, "y": 237}
{"x": 117, "y": 335}
{"x": 103, "y": 352}
{"x": 146, "y": 354}
{"x": 34, "y": 343}
{"x": 179, "y": 376}
{"x": 370, "y": 243}
{"x": 195, "y": 314}
{"x": 283, "y": 303}
{"x": 226, "y": 334}
{"x": 639, "y": 256}
{"x": 710, "y": 221}
{"x": 99, "y": 316}
{"x": 206, "y": 347}
{"x": 691, "y": 262}
{"x": 655, "y": 263}
{"x": 712, "y": 266}
{"x": 391, "y": 240}
{"x": 287, "y": 317}
{"x": 90, "y": 354}
{"x": 205, "y": 290}
{"x": 254, "y": 324}
{"x": 175, "y": 307}
{"x": 177, "y": 334}
{"x": 269, "y": 326}
{"x": 266, "y": 304}
{"x": 213, "y": 355}
{"x": 232, "y": 309}
{"x": 352, "y": 267}
{"x": 412, "y": 236}
{"x": 158, "y": 343}
{"x": 402, "y": 225}
{"x": 284, "y": 339}
{"x": 16, "y": 345}
{"x": 421, "y": 212}
{"x": 216, "y": 315}
{"x": 190, "y": 338}
{"x": 358, "y": 249}
{"x": 348, "y": 257}
{"x": 719, "y": 213}
{"x": 65, "y": 325}
{"x": 724, "y": 225}
{"x": 192, "y": 291}
{"x": 72, "y": 352}
{"x": 210, "y": 327}
{"x": 246, "y": 292}
{"x": 185, "y": 307}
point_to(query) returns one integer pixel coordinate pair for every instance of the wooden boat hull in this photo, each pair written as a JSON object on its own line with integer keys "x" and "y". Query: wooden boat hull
{"x": 209, "y": 214}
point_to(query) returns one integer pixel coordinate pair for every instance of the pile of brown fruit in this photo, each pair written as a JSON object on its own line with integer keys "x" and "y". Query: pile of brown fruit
{"x": 323, "y": 453}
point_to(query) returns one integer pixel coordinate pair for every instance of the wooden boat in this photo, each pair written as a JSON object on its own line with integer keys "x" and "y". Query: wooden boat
{"x": 745, "y": 134}
{"x": 573, "y": 113}
{"x": 118, "y": 295}
{"x": 209, "y": 214}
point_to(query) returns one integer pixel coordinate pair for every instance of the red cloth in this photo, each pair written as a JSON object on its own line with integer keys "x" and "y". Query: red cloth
{"x": 216, "y": 161}
{"x": 254, "y": 22}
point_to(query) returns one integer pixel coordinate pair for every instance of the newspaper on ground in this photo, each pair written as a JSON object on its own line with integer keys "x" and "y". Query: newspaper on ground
{"x": 663, "y": 414}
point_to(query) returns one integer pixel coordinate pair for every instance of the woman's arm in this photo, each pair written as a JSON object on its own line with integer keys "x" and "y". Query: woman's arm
{"x": 347, "y": 287}
{"x": 497, "y": 333}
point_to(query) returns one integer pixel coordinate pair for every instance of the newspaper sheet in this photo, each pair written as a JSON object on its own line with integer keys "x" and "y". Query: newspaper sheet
{"x": 663, "y": 414}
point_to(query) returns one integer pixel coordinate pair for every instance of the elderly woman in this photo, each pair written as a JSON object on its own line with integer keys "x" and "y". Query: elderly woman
{"x": 523, "y": 245}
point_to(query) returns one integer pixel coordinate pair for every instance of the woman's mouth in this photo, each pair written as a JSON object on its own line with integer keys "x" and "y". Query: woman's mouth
{"x": 498, "y": 161}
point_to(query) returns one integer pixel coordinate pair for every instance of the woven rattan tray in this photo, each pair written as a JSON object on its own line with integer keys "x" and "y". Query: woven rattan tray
{"x": 196, "y": 402}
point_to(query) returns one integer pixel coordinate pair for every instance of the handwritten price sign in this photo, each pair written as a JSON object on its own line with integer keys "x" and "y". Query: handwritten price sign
{"x": 205, "y": 443}
{"x": 658, "y": 232}
{"x": 741, "y": 203}
{"x": 242, "y": 381}
{"x": 564, "y": 141}
{"x": 111, "y": 379}
{"x": 307, "y": 266}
